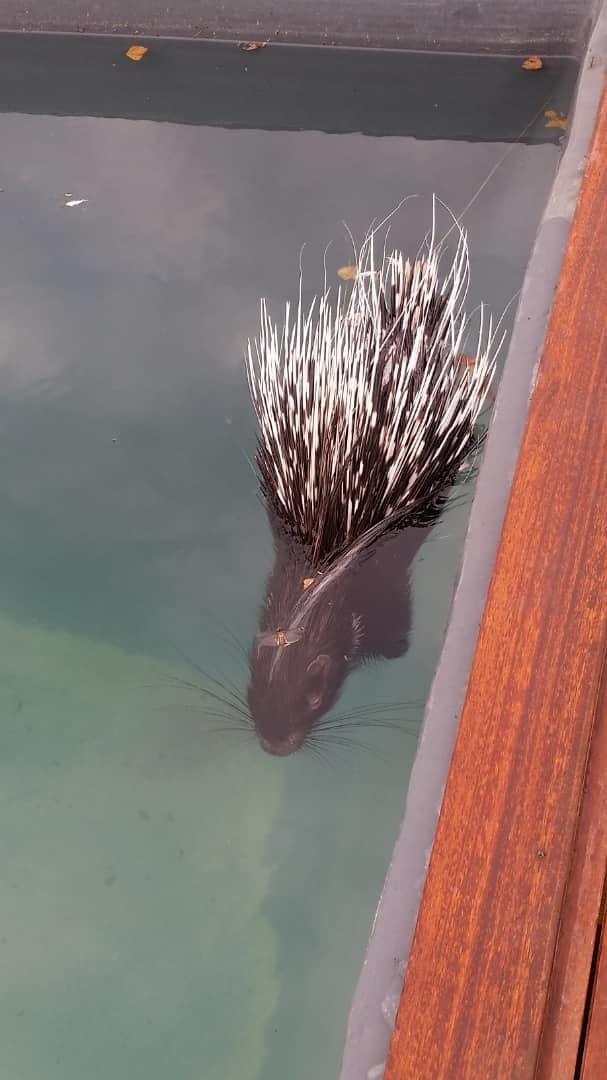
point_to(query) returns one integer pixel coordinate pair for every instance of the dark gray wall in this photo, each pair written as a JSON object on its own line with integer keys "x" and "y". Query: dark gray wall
{"x": 548, "y": 26}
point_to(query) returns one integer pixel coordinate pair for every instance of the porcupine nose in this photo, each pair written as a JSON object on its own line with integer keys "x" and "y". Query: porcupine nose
{"x": 282, "y": 747}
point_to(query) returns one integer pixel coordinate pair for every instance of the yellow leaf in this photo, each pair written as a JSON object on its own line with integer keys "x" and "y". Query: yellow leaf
{"x": 556, "y": 119}
{"x": 307, "y": 581}
{"x": 136, "y": 52}
{"x": 532, "y": 63}
{"x": 251, "y": 46}
{"x": 347, "y": 273}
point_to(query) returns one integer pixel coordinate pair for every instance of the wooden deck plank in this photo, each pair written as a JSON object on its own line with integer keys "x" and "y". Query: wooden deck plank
{"x": 594, "y": 1063}
{"x": 571, "y": 973}
{"x": 477, "y": 980}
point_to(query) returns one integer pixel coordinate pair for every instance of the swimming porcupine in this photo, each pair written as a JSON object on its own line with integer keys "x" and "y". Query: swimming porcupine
{"x": 366, "y": 415}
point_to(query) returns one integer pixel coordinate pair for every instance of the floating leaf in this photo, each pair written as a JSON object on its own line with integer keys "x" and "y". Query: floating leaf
{"x": 532, "y": 63}
{"x": 467, "y": 361}
{"x": 280, "y": 639}
{"x": 136, "y": 52}
{"x": 556, "y": 119}
{"x": 347, "y": 273}
{"x": 252, "y": 46}
{"x": 307, "y": 581}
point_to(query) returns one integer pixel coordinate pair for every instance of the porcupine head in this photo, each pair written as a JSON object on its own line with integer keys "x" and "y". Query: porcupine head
{"x": 363, "y": 614}
{"x": 296, "y": 677}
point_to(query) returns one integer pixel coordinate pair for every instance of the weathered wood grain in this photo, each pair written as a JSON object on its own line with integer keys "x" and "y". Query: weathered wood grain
{"x": 594, "y": 1062}
{"x": 571, "y": 973}
{"x": 477, "y": 980}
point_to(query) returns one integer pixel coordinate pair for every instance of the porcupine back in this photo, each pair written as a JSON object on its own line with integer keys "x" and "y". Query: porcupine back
{"x": 365, "y": 410}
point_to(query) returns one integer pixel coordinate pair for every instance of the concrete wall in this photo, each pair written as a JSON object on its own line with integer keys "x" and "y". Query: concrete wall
{"x": 548, "y": 26}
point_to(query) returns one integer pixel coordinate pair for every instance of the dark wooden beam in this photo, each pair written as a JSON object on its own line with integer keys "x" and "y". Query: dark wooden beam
{"x": 594, "y": 1057}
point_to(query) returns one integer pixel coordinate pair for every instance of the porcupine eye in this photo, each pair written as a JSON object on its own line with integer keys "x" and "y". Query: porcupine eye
{"x": 317, "y": 672}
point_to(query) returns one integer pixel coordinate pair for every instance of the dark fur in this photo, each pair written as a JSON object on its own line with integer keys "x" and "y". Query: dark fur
{"x": 365, "y": 616}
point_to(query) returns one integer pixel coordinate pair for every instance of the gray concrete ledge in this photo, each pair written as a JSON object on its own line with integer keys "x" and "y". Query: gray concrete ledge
{"x": 547, "y": 26}
{"x": 376, "y": 997}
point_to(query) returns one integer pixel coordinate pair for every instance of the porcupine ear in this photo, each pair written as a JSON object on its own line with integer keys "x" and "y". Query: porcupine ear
{"x": 318, "y": 671}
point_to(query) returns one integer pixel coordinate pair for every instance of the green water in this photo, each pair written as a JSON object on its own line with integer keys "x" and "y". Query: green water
{"x": 173, "y": 903}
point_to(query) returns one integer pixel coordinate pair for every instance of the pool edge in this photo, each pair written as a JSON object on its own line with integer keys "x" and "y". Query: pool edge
{"x": 544, "y": 26}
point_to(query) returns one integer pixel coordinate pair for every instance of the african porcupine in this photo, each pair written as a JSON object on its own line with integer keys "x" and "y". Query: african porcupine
{"x": 366, "y": 414}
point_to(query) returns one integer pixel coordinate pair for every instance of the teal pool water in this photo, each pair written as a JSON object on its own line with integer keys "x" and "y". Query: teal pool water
{"x": 175, "y": 903}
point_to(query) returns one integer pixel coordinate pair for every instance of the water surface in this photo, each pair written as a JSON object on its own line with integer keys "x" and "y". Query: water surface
{"x": 174, "y": 902}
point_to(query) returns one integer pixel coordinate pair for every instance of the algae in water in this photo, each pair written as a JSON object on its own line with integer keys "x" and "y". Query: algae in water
{"x": 133, "y": 940}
